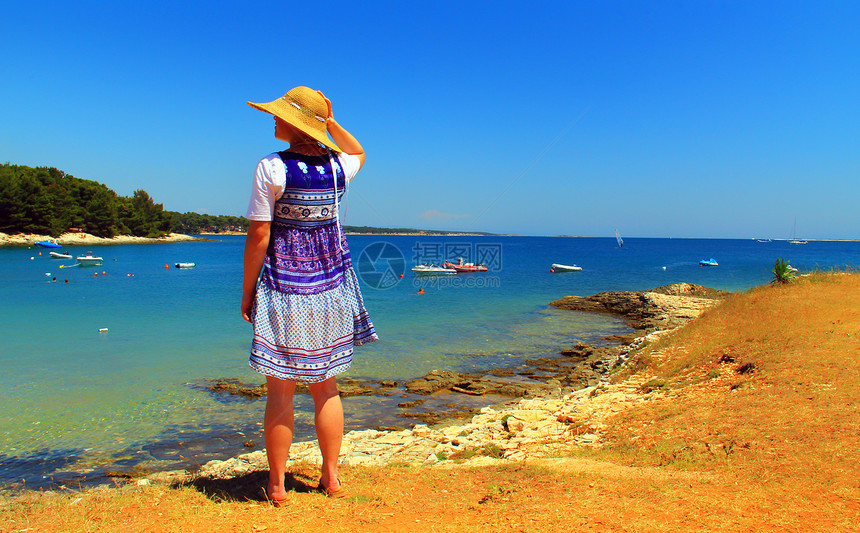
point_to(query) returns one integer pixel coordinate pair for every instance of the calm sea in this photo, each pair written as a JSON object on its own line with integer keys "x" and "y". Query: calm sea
{"x": 106, "y": 367}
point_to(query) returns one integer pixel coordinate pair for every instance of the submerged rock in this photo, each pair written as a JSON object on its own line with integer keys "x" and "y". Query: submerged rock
{"x": 237, "y": 388}
{"x": 580, "y": 351}
{"x": 436, "y": 381}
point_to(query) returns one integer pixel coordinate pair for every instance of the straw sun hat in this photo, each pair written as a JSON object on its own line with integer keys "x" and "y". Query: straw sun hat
{"x": 304, "y": 109}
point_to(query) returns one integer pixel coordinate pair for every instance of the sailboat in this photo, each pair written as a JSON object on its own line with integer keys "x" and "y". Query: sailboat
{"x": 619, "y": 239}
{"x": 794, "y": 239}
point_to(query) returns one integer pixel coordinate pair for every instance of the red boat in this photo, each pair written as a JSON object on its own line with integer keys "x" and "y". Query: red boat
{"x": 460, "y": 266}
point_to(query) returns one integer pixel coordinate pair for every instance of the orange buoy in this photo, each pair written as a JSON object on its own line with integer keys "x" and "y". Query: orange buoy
{"x": 166, "y": 266}
{"x": 420, "y": 291}
{"x": 401, "y": 275}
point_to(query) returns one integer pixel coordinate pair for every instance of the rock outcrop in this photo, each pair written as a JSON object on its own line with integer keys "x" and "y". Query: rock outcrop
{"x": 661, "y": 308}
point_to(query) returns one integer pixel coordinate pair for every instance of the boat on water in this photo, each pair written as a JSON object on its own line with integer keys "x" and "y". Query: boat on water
{"x": 708, "y": 262}
{"x": 48, "y": 244}
{"x": 186, "y": 265}
{"x": 59, "y": 255}
{"x": 431, "y": 269}
{"x": 557, "y": 268}
{"x": 460, "y": 266}
{"x": 794, "y": 239}
{"x": 619, "y": 240}
{"x": 89, "y": 259}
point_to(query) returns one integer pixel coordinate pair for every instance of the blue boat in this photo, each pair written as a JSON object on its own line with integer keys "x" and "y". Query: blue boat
{"x": 48, "y": 244}
{"x": 708, "y": 262}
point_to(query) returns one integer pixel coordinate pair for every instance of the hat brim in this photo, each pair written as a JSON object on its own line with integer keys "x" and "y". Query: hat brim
{"x": 292, "y": 117}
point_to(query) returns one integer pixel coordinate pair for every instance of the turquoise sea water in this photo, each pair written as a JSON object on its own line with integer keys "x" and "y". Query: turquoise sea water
{"x": 76, "y": 400}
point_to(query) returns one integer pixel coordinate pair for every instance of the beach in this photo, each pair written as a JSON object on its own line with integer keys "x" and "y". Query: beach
{"x": 81, "y": 238}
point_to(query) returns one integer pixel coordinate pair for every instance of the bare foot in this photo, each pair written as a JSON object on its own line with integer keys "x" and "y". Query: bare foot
{"x": 333, "y": 489}
{"x": 276, "y": 493}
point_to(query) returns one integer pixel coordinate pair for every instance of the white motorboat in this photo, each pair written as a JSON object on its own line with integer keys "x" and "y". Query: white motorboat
{"x": 432, "y": 269}
{"x": 186, "y": 265}
{"x": 557, "y": 268}
{"x": 89, "y": 259}
{"x": 460, "y": 266}
{"x": 59, "y": 255}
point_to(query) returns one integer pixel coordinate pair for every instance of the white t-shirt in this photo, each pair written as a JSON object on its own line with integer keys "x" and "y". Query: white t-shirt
{"x": 270, "y": 178}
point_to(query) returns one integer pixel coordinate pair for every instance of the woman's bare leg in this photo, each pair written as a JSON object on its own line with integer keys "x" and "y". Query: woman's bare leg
{"x": 278, "y": 429}
{"x": 328, "y": 419}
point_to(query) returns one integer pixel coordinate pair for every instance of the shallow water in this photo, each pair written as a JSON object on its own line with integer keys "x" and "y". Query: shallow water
{"x": 77, "y": 399}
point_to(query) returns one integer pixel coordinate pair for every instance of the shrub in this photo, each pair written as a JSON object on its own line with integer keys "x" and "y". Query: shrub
{"x": 783, "y": 272}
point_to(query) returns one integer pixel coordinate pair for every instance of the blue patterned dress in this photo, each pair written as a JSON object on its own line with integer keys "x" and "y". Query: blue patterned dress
{"x": 308, "y": 313}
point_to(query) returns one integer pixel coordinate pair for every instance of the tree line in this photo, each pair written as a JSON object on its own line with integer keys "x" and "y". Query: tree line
{"x": 47, "y": 201}
{"x": 44, "y": 200}
{"x": 191, "y": 223}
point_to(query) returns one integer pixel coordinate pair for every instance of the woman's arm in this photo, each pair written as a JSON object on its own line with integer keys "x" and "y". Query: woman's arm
{"x": 256, "y": 244}
{"x": 341, "y": 137}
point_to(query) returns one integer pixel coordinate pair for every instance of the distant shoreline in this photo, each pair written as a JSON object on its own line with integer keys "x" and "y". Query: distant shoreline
{"x": 416, "y": 234}
{"x": 819, "y": 240}
{"x": 74, "y": 238}
{"x": 81, "y": 238}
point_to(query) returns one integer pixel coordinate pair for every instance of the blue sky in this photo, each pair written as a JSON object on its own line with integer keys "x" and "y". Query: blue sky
{"x": 661, "y": 119}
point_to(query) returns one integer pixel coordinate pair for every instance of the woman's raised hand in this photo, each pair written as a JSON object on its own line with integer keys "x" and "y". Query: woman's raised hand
{"x": 327, "y": 103}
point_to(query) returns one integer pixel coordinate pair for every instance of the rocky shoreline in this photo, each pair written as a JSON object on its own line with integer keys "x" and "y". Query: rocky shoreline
{"x": 563, "y": 403}
{"x": 81, "y": 238}
{"x": 661, "y": 308}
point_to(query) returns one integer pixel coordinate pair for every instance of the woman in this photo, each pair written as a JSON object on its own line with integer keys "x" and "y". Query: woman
{"x": 307, "y": 310}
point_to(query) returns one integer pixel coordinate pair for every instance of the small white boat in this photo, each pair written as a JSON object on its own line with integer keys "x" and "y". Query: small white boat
{"x": 186, "y": 265}
{"x": 89, "y": 259}
{"x": 432, "y": 269}
{"x": 557, "y": 268}
{"x": 60, "y": 255}
{"x": 708, "y": 262}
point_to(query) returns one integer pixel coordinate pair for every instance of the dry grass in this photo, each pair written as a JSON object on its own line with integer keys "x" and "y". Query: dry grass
{"x": 772, "y": 448}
